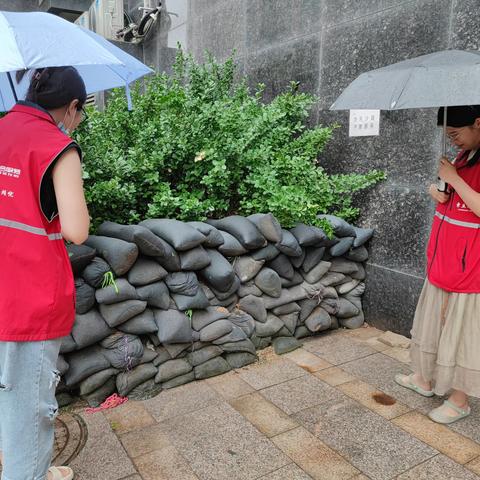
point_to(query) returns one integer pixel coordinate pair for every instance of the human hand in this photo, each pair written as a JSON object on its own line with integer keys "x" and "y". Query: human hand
{"x": 447, "y": 172}
{"x": 440, "y": 197}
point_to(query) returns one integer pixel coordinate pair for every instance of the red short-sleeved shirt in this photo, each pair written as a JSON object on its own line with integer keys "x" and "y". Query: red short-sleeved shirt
{"x": 37, "y": 292}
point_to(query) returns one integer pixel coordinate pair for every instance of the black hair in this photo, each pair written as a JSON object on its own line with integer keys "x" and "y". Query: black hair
{"x": 55, "y": 87}
{"x": 459, "y": 116}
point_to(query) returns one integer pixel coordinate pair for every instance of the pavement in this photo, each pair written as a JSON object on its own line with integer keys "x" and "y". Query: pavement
{"x": 329, "y": 410}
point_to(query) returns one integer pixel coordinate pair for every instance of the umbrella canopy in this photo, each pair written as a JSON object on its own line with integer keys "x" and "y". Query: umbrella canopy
{"x": 36, "y": 39}
{"x": 446, "y": 78}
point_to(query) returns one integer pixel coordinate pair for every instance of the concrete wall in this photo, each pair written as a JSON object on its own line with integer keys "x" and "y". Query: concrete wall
{"x": 325, "y": 44}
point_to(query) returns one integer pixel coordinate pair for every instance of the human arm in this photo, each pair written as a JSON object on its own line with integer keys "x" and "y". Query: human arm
{"x": 72, "y": 208}
{"x": 448, "y": 173}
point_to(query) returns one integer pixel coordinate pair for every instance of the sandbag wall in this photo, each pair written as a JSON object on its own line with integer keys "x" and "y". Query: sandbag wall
{"x": 191, "y": 300}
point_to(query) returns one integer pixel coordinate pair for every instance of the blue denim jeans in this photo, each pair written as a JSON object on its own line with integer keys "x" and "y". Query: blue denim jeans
{"x": 28, "y": 378}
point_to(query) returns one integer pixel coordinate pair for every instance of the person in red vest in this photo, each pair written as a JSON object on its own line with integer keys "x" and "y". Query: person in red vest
{"x": 445, "y": 343}
{"x": 42, "y": 204}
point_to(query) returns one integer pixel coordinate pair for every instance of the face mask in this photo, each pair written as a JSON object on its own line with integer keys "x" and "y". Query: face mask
{"x": 62, "y": 127}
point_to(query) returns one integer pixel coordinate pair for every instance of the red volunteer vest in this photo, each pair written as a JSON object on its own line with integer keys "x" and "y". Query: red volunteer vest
{"x": 453, "y": 252}
{"x": 36, "y": 281}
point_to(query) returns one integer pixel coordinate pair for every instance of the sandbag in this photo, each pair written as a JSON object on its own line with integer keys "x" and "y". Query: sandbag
{"x": 266, "y": 253}
{"x": 119, "y": 254}
{"x": 268, "y": 281}
{"x": 296, "y": 280}
{"x": 330, "y": 292}
{"x": 198, "y": 357}
{"x": 177, "y": 350}
{"x": 180, "y": 380}
{"x": 307, "y": 306}
{"x": 242, "y": 320}
{"x": 202, "y": 318}
{"x": 312, "y": 258}
{"x": 222, "y": 295}
{"x": 361, "y": 274}
{"x": 94, "y": 273}
{"x": 284, "y": 297}
{"x": 194, "y": 259}
{"x": 318, "y": 320}
{"x": 80, "y": 256}
{"x": 341, "y": 228}
{"x": 286, "y": 309}
{"x": 290, "y": 321}
{"x": 162, "y": 356}
{"x": 180, "y": 235}
{"x": 228, "y": 303}
{"x": 89, "y": 328}
{"x": 255, "y": 307}
{"x": 174, "y": 327}
{"x": 282, "y": 265}
{"x": 267, "y": 225}
{"x": 302, "y": 332}
{"x": 84, "y": 296}
{"x": 213, "y": 238}
{"x": 68, "y": 344}
{"x": 236, "y": 335}
{"x": 289, "y": 245}
{"x": 120, "y": 292}
{"x": 140, "y": 324}
{"x": 156, "y": 295}
{"x": 171, "y": 260}
{"x": 211, "y": 368}
{"x": 240, "y": 359}
{"x": 147, "y": 242}
{"x": 346, "y": 309}
{"x": 215, "y": 330}
{"x": 342, "y": 265}
{"x": 317, "y": 272}
{"x": 242, "y": 229}
{"x": 219, "y": 274}
{"x": 97, "y": 380}
{"x": 362, "y": 235}
{"x": 84, "y": 363}
{"x": 145, "y": 390}
{"x": 171, "y": 369}
{"x": 352, "y": 322}
{"x": 249, "y": 288}
{"x": 330, "y": 305}
{"x": 358, "y": 254}
{"x": 231, "y": 247}
{"x": 246, "y": 267}
{"x": 307, "y": 235}
{"x": 347, "y": 287}
{"x": 259, "y": 342}
{"x": 145, "y": 271}
{"x": 184, "y": 283}
{"x": 241, "y": 346}
{"x": 283, "y": 345}
{"x": 127, "y": 381}
{"x": 297, "y": 262}
{"x": 332, "y": 279}
{"x": 187, "y": 302}
{"x": 269, "y": 328}
{"x": 358, "y": 291}
{"x": 123, "y": 351}
{"x": 117, "y": 313}
{"x": 342, "y": 247}
{"x": 96, "y": 398}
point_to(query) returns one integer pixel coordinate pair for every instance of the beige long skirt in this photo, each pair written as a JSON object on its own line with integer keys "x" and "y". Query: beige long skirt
{"x": 445, "y": 346}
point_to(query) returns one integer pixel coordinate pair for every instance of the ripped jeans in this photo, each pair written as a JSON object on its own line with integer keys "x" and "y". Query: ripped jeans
{"x": 28, "y": 378}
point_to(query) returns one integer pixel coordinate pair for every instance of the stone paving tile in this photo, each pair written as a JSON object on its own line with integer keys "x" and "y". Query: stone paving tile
{"x": 313, "y": 456}
{"x": 369, "y": 442}
{"x": 143, "y": 441}
{"x": 364, "y": 394}
{"x": 334, "y": 376}
{"x": 290, "y": 472}
{"x": 376, "y": 345}
{"x": 262, "y": 375}
{"x": 129, "y": 416}
{"x": 398, "y": 353}
{"x": 265, "y": 416}
{"x": 300, "y": 393}
{"x": 474, "y": 465}
{"x": 338, "y": 349}
{"x": 230, "y": 385}
{"x": 220, "y": 444}
{"x": 181, "y": 400}
{"x": 103, "y": 455}
{"x": 132, "y": 477}
{"x": 456, "y": 446}
{"x": 164, "y": 464}
{"x": 364, "y": 333}
{"x": 438, "y": 467}
{"x": 379, "y": 370}
{"x": 308, "y": 361}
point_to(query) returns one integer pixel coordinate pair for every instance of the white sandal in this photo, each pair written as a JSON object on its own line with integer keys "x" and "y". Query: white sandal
{"x": 61, "y": 473}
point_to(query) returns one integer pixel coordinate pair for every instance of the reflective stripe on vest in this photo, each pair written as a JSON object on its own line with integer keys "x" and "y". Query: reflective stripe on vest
{"x": 457, "y": 222}
{"x": 29, "y": 229}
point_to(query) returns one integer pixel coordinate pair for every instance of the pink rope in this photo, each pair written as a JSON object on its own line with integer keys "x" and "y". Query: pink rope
{"x": 111, "y": 402}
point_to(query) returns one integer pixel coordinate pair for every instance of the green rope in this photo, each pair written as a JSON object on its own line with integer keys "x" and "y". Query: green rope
{"x": 109, "y": 280}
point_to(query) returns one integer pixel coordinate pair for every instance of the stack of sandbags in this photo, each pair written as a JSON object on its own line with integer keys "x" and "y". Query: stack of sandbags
{"x": 192, "y": 300}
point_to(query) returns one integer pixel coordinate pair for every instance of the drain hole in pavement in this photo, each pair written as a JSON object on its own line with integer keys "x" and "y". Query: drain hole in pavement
{"x": 383, "y": 399}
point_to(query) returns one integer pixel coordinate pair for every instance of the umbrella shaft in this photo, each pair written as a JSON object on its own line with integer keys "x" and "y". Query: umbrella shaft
{"x": 12, "y": 86}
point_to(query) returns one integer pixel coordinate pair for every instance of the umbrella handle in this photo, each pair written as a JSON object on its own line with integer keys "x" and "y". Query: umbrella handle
{"x": 442, "y": 186}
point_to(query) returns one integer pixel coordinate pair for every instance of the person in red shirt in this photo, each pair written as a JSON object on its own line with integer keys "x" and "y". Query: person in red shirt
{"x": 446, "y": 329}
{"x": 42, "y": 204}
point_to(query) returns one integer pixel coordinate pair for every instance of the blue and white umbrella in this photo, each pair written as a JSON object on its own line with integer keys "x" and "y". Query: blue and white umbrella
{"x": 36, "y": 40}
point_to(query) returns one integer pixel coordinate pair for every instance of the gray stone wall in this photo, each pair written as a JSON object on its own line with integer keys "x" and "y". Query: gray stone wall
{"x": 325, "y": 44}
